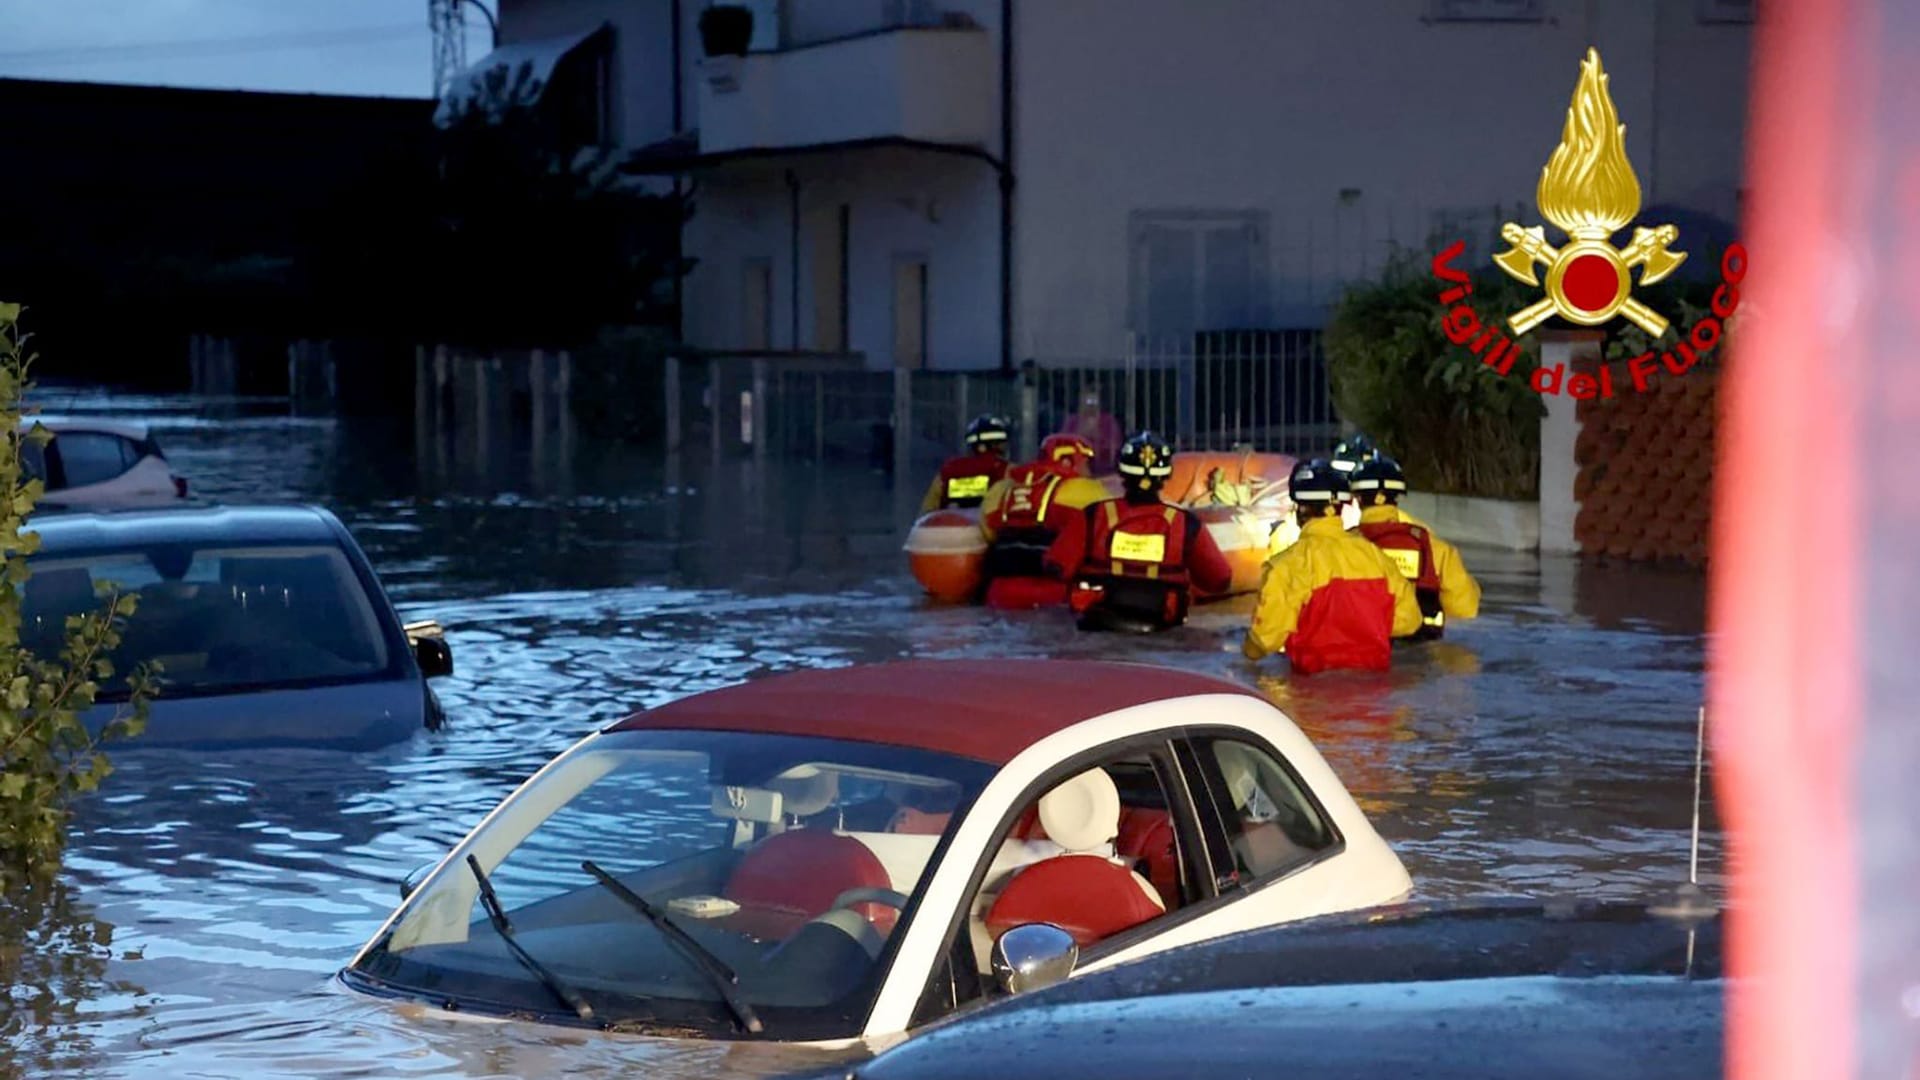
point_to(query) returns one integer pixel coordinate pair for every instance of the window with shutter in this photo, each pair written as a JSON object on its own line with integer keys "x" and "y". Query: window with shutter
{"x": 1195, "y": 271}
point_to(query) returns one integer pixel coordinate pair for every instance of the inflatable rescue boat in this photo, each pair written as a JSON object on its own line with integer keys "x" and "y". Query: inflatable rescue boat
{"x": 1241, "y": 497}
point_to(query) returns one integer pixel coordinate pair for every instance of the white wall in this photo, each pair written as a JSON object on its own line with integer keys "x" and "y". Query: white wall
{"x": 745, "y": 214}
{"x": 1278, "y": 105}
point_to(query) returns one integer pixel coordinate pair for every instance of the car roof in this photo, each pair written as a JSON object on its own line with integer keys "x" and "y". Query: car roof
{"x": 68, "y": 532}
{"x": 126, "y": 429}
{"x": 988, "y": 710}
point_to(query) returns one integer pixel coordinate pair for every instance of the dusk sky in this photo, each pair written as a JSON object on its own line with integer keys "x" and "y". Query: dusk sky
{"x": 377, "y": 47}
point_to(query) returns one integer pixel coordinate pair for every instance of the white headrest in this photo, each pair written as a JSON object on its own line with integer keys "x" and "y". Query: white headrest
{"x": 806, "y": 790}
{"x": 1082, "y": 814}
{"x": 1241, "y": 774}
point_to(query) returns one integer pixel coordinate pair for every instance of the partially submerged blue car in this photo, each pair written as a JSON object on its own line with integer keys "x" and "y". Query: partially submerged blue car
{"x": 1489, "y": 992}
{"x": 268, "y": 623}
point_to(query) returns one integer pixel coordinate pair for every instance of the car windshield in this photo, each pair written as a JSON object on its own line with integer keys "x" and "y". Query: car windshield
{"x": 217, "y": 618}
{"x": 789, "y": 860}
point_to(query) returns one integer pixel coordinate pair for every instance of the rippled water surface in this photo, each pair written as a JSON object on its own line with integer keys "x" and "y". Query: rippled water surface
{"x": 1545, "y": 749}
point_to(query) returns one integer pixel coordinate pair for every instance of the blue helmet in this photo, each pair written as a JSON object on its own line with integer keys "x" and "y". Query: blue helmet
{"x": 1316, "y": 481}
{"x": 1353, "y": 453}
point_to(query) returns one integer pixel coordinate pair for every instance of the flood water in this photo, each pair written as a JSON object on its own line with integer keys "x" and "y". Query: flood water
{"x": 1545, "y": 749}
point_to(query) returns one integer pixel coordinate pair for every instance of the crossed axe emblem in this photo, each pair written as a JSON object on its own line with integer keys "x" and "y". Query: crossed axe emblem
{"x": 1592, "y": 259}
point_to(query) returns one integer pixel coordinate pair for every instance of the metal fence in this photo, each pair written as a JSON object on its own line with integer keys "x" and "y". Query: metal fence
{"x": 1264, "y": 389}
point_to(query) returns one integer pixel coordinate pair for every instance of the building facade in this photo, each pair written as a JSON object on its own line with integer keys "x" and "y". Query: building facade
{"x": 962, "y": 184}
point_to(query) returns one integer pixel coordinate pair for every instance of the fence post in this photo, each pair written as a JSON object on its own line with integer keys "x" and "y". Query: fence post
{"x": 819, "y": 417}
{"x": 1029, "y": 411}
{"x": 760, "y": 409}
{"x": 563, "y": 404}
{"x": 670, "y": 380}
{"x": 902, "y": 424}
{"x": 714, "y": 406}
{"x": 960, "y": 398}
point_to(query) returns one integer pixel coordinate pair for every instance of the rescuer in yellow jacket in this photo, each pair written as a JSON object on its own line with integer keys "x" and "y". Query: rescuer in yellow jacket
{"x": 1332, "y": 600}
{"x": 1440, "y": 580}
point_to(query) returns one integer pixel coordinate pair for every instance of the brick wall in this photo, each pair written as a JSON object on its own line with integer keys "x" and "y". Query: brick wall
{"x": 1645, "y": 471}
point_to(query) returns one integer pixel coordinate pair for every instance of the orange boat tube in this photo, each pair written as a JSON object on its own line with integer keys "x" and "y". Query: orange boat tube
{"x": 946, "y": 552}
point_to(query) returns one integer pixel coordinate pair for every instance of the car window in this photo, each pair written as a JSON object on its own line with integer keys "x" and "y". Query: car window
{"x": 33, "y": 461}
{"x": 218, "y": 618}
{"x": 90, "y": 457}
{"x": 1272, "y": 825}
{"x": 1143, "y": 873}
{"x": 756, "y": 846}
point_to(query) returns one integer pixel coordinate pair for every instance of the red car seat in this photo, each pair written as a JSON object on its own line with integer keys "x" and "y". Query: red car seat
{"x": 789, "y": 878}
{"x": 1146, "y": 836}
{"x": 1083, "y": 892}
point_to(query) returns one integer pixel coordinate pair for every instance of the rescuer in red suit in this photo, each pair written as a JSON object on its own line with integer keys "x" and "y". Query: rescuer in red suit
{"x": 1134, "y": 561}
{"x": 963, "y": 481}
{"x": 1020, "y": 518}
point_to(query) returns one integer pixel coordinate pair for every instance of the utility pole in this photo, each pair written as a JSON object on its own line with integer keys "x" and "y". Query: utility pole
{"x": 448, "y": 21}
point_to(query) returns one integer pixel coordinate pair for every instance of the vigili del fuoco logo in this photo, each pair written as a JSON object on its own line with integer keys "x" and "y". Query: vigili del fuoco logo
{"x": 1588, "y": 190}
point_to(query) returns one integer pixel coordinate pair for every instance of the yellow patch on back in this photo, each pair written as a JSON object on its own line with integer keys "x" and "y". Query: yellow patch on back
{"x": 1139, "y": 547}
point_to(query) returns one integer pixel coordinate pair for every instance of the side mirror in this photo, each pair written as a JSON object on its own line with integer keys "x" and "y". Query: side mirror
{"x": 1033, "y": 956}
{"x": 430, "y": 649}
{"x": 413, "y": 879}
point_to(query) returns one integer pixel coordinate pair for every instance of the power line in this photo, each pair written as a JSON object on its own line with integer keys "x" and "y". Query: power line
{"x": 168, "y": 50}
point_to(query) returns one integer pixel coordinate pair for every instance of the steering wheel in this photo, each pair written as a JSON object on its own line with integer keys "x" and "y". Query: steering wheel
{"x": 870, "y": 895}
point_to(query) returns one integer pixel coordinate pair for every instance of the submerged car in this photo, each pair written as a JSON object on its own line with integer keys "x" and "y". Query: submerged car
{"x": 831, "y": 856}
{"x": 1494, "y": 992}
{"x": 99, "y": 463}
{"x": 268, "y": 625}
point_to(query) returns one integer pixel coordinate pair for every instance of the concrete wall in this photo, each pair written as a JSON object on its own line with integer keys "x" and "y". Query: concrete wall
{"x": 902, "y": 202}
{"x": 1229, "y": 105}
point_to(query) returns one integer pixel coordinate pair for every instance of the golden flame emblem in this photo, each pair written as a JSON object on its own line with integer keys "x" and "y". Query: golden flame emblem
{"x": 1588, "y": 189}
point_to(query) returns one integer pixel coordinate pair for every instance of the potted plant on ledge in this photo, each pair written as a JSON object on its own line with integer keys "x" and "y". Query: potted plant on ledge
{"x": 726, "y": 29}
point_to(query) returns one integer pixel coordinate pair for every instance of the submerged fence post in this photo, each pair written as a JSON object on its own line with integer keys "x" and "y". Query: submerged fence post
{"x": 819, "y": 417}
{"x": 670, "y": 382}
{"x": 1029, "y": 411}
{"x": 902, "y": 424}
{"x": 713, "y": 406}
{"x": 760, "y": 410}
{"x": 563, "y": 404}
{"x": 539, "y": 386}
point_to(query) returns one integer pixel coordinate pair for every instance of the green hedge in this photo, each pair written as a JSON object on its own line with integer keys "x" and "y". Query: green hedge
{"x": 1456, "y": 426}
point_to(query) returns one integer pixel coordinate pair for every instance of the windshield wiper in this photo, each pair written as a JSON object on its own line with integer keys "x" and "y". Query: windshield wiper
{"x": 497, "y": 915}
{"x": 715, "y": 969}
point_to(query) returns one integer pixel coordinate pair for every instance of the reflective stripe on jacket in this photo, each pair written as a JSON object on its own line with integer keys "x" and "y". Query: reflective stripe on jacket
{"x": 1147, "y": 540}
{"x": 963, "y": 481}
{"x": 1031, "y": 496}
{"x": 1332, "y": 600}
{"x": 1458, "y": 592}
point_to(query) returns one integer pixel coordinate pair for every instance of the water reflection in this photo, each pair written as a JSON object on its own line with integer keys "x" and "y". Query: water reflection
{"x": 1545, "y": 748}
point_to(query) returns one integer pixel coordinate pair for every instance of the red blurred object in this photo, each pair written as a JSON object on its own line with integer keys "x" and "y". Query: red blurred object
{"x": 180, "y": 487}
{"x": 1787, "y": 669}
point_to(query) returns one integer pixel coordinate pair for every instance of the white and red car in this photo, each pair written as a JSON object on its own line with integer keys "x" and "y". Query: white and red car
{"x": 833, "y": 856}
{"x": 100, "y": 464}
